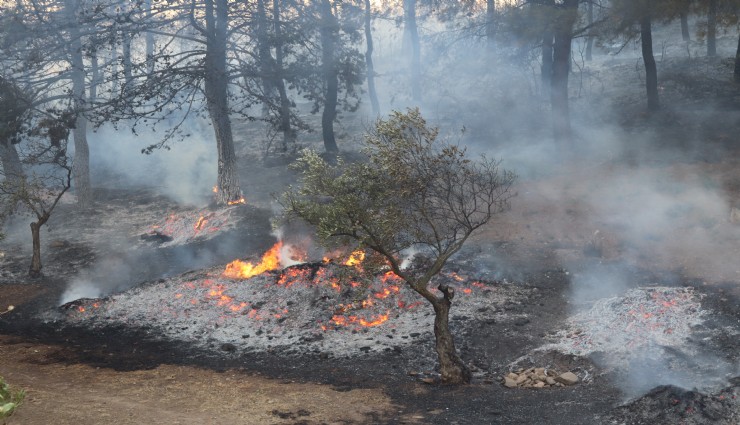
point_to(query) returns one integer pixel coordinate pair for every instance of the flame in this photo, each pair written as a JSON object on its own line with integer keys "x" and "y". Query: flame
{"x": 238, "y": 269}
{"x": 215, "y": 189}
{"x": 379, "y": 320}
{"x": 240, "y": 201}
{"x": 356, "y": 258}
{"x": 200, "y": 223}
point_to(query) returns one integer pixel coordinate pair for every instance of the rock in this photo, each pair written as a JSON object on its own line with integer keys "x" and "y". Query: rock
{"x": 567, "y": 378}
{"x": 550, "y": 381}
{"x": 539, "y": 385}
{"x": 512, "y": 375}
{"x": 509, "y": 383}
{"x": 521, "y": 378}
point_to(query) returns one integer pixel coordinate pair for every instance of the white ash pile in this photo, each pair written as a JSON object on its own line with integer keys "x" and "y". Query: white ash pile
{"x": 642, "y": 320}
{"x": 538, "y": 377}
{"x": 326, "y": 308}
{"x": 651, "y": 336}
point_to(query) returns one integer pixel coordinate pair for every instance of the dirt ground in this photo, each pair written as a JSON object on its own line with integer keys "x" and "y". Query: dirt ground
{"x": 61, "y": 391}
{"x": 555, "y": 225}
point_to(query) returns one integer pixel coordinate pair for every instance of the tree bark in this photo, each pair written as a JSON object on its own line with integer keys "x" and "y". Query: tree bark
{"x": 370, "y": 68}
{"x": 81, "y": 167}
{"x": 547, "y": 50}
{"x": 11, "y": 162}
{"x": 651, "y": 72}
{"x": 563, "y": 35}
{"x": 451, "y": 367}
{"x": 736, "y": 72}
{"x": 149, "y": 40}
{"x": 412, "y": 33}
{"x": 289, "y": 135}
{"x": 128, "y": 74}
{"x": 590, "y": 38}
{"x": 35, "y": 269}
{"x": 712, "y": 29}
{"x": 329, "y": 69}
{"x": 685, "y": 26}
{"x": 490, "y": 23}
{"x": 94, "y": 77}
{"x": 216, "y": 92}
{"x": 265, "y": 57}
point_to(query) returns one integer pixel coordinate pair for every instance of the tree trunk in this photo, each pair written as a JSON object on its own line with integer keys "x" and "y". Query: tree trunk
{"x": 329, "y": 69}
{"x": 81, "y": 166}
{"x": 128, "y": 74}
{"x": 265, "y": 57}
{"x": 685, "y": 26}
{"x": 490, "y": 23}
{"x": 412, "y": 33}
{"x": 149, "y": 41}
{"x": 114, "y": 68}
{"x": 289, "y": 135}
{"x": 651, "y": 72}
{"x": 737, "y": 62}
{"x": 370, "y": 68}
{"x": 590, "y": 38}
{"x": 94, "y": 77}
{"x": 216, "y": 92}
{"x": 451, "y": 367}
{"x": 563, "y": 34}
{"x": 712, "y": 29}
{"x": 546, "y": 69}
{"x": 11, "y": 162}
{"x": 35, "y": 269}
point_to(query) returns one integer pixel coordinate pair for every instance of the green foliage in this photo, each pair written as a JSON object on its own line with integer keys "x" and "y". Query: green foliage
{"x": 412, "y": 191}
{"x": 9, "y": 400}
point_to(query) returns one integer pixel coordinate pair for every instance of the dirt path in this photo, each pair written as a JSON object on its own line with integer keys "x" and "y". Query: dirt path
{"x": 61, "y": 392}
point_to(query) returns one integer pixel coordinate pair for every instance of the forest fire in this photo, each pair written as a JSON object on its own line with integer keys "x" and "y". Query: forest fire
{"x": 334, "y": 303}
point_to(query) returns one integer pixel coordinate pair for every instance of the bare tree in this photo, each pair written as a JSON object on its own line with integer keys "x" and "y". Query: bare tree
{"x": 413, "y": 191}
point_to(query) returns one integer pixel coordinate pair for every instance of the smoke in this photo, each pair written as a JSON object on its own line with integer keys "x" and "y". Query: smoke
{"x": 186, "y": 172}
{"x": 108, "y": 275}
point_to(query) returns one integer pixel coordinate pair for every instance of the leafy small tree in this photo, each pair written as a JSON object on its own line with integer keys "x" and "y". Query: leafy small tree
{"x": 9, "y": 400}
{"x": 413, "y": 191}
{"x": 35, "y": 171}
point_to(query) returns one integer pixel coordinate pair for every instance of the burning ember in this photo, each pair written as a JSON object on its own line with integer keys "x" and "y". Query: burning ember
{"x": 330, "y": 306}
{"x": 185, "y": 227}
{"x": 240, "y": 201}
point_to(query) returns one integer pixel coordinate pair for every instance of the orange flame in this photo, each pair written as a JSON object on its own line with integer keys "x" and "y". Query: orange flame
{"x": 240, "y": 201}
{"x": 215, "y": 189}
{"x": 379, "y": 320}
{"x": 238, "y": 269}
{"x": 200, "y": 223}
{"x": 356, "y": 258}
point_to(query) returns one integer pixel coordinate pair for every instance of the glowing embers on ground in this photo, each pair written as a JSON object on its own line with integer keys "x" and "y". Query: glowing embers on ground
{"x": 183, "y": 227}
{"x": 641, "y": 319}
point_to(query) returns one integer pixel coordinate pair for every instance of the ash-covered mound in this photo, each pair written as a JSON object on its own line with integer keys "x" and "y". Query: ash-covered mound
{"x": 332, "y": 309}
{"x": 670, "y": 405}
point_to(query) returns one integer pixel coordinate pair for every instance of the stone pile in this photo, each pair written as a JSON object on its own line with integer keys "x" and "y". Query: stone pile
{"x": 538, "y": 377}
